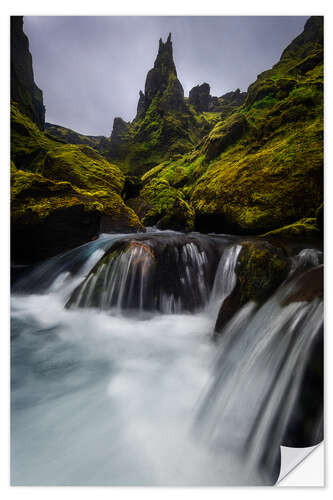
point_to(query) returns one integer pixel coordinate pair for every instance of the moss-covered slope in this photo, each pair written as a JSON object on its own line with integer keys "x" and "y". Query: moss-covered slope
{"x": 61, "y": 195}
{"x": 69, "y": 136}
{"x": 261, "y": 166}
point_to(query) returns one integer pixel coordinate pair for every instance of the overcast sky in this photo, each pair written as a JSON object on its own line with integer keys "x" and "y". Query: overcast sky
{"x": 92, "y": 68}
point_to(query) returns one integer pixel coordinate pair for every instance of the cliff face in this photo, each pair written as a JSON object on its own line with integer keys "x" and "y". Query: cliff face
{"x": 23, "y": 89}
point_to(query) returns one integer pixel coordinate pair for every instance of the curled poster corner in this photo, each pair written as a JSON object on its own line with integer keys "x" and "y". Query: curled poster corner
{"x": 292, "y": 457}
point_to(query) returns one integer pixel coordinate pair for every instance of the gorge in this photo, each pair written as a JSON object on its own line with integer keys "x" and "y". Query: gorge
{"x": 167, "y": 281}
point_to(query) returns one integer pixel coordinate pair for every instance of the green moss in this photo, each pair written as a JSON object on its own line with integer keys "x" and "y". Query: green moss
{"x": 224, "y": 134}
{"x": 272, "y": 175}
{"x": 303, "y": 229}
{"x": 47, "y": 176}
{"x": 166, "y": 205}
{"x": 69, "y": 136}
{"x": 34, "y": 198}
{"x": 260, "y": 269}
{"x": 277, "y": 185}
{"x": 81, "y": 165}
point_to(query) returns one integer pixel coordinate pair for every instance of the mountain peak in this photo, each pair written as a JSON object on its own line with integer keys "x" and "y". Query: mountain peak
{"x": 161, "y": 78}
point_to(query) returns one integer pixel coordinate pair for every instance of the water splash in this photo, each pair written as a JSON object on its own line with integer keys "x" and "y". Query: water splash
{"x": 140, "y": 275}
{"x": 102, "y": 398}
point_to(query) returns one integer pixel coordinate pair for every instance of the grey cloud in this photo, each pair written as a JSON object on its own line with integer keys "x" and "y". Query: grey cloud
{"x": 92, "y": 68}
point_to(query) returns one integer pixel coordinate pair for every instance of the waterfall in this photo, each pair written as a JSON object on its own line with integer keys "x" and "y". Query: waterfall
{"x": 225, "y": 278}
{"x": 258, "y": 376}
{"x": 59, "y": 269}
{"x": 149, "y": 274}
{"x": 124, "y": 386}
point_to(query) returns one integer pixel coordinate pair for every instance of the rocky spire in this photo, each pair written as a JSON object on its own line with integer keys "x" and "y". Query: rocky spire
{"x": 162, "y": 81}
{"x": 23, "y": 89}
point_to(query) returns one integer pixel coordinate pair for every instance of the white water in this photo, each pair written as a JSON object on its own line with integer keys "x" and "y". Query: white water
{"x": 109, "y": 399}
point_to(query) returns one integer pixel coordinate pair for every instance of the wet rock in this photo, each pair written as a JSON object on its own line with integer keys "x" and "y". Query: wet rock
{"x": 260, "y": 269}
{"x": 306, "y": 425}
{"x": 228, "y": 309}
{"x": 307, "y": 287}
{"x": 168, "y": 273}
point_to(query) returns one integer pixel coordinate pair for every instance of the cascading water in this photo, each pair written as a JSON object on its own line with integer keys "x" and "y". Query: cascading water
{"x": 225, "y": 278}
{"x": 152, "y": 274}
{"x": 125, "y": 387}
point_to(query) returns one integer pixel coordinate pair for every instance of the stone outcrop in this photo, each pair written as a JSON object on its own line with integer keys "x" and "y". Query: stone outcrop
{"x": 23, "y": 89}
{"x": 119, "y": 137}
{"x": 200, "y": 97}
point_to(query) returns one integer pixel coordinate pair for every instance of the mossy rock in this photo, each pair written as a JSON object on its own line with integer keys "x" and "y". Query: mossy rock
{"x": 180, "y": 217}
{"x": 140, "y": 206}
{"x": 260, "y": 269}
{"x": 62, "y": 195}
{"x": 224, "y": 134}
{"x": 69, "y": 136}
{"x": 253, "y": 192}
{"x": 304, "y": 229}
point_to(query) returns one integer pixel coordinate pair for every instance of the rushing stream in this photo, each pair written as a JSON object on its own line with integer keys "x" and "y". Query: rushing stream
{"x": 116, "y": 379}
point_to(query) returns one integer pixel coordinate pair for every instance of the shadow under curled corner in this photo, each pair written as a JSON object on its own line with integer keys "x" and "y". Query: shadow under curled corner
{"x": 292, "y": 458}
